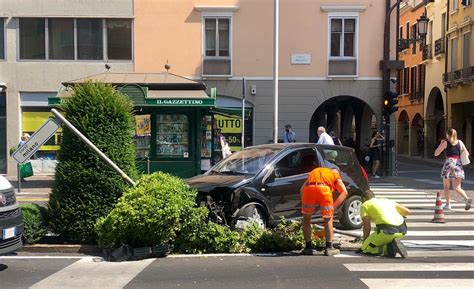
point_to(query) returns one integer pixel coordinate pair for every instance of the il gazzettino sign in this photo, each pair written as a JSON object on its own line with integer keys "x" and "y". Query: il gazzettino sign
{"x": 42, "y": 135}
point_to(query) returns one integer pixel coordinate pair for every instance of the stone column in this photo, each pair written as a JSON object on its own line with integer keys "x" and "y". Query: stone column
{"x": 430, "y": 137}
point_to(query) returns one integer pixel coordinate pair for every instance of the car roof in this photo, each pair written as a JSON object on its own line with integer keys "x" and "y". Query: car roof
{"x": 282, "y": 146}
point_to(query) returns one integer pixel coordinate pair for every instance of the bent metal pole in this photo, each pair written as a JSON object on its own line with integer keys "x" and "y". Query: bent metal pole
{"x": 92, "y": 146}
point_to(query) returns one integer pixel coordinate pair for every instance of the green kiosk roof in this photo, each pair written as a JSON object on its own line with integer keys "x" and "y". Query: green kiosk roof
{"x": 149, "y": 89}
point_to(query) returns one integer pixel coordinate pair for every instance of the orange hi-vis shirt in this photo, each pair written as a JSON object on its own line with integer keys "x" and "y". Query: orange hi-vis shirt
{"x": 325, "y": 176}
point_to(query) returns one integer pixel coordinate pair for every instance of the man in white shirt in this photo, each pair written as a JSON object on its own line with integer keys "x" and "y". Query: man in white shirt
{"x": 324, "y": 138}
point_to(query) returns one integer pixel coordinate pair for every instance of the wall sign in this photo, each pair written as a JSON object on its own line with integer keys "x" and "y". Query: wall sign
{"x": 300, "y": 58}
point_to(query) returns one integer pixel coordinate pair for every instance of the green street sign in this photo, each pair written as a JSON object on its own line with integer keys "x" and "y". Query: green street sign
{"x": 181, "y": 102}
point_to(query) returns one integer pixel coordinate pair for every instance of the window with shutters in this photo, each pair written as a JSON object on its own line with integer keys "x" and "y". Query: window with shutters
{"x": 217, "y": 42}
{"x": 342, "y": 46}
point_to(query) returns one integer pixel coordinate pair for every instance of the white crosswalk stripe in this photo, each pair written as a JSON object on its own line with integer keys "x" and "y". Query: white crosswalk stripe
{"x": 425, "y": 239}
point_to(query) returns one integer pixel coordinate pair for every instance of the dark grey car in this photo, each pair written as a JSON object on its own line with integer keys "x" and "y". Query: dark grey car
{"x": 262, "y": 183}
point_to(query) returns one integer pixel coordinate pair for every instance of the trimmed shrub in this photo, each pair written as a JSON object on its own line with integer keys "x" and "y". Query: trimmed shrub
{"x": 34, "y": 222}
{"x": 85, "y": 187}
{"x": 152, "y": 213}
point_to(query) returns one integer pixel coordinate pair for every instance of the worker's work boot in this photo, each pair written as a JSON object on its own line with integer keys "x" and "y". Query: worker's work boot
{"x": 308, "y": 251}
{"x": 331, "y": 251}
{"x": 399, "y": 248}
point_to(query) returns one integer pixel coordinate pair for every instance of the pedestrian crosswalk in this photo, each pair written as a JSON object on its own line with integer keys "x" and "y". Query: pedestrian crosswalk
{"x": 441, "y": 255}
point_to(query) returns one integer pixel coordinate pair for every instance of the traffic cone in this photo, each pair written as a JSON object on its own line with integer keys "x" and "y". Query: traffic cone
{"x": 439, "y": 212}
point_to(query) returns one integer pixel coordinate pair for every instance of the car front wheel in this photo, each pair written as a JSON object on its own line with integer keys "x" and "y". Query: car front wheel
{"x": 251, "y": 214}
{"x": 351, "y": 219}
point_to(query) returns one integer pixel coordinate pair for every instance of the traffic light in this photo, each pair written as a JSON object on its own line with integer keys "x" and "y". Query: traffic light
{"x": 466, "y": 2}
{"x": 390, "y": 101}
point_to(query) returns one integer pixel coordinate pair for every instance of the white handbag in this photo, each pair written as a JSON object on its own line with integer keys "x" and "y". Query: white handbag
{"x": 465, "y": 156}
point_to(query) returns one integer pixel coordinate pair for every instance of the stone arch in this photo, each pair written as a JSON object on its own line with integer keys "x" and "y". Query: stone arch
{"x": 416, "y": 136}
{"x": 403, "y": 136}
{"x": 348, "y": 116}
{"x": 435, "y": 120}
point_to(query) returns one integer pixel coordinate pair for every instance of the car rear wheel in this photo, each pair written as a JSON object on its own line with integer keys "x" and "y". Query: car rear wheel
{"x": 249, "y": 215}
{"x": 351, "y": 213}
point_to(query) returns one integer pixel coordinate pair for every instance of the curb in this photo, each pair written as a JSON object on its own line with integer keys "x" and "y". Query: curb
{"x": 95, "y": 251}
{"x": 68, "y": 249}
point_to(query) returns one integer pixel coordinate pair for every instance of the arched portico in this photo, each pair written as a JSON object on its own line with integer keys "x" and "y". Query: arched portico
{"x": 349, "y": 117}
{"x": 403, "y": 135}
{"x": 435, "y": 121}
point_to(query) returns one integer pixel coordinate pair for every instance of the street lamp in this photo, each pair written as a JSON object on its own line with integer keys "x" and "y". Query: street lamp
{"x": 422, "y": 26}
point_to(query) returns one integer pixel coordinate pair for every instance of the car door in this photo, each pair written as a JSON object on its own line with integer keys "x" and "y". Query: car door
{"x": 289, "y": 173}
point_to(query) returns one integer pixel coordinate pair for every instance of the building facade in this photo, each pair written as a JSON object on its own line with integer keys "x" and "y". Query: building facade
{"x": 42, "y": 44}
{"x": 460, "y": 70}
{"x": 435, "y": 106}
{"x": 329, "y": 59}
{"x": 411, "y": 80}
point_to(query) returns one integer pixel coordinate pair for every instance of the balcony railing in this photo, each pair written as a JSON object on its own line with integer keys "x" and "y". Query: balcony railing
{"x": 448, "y": 78}
{"x": 403, "y": 44}
{"x": 439, "y": 46}
{"x": 427, "y": 52}
{"x": 457, "y": 75}
{"x": 415, "y": 96}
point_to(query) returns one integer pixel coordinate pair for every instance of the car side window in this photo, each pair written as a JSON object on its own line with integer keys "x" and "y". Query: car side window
{"x": 338, "y": 158}
{"x": 296, "y": 163}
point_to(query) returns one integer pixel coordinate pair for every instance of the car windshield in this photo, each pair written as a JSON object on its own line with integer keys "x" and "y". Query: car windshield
{"x": 249, "y": 161}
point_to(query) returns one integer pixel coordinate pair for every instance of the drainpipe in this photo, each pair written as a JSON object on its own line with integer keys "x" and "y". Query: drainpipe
{"x": 446, "y": 46}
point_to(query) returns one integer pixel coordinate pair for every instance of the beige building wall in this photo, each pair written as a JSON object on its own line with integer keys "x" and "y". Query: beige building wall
{"x": 434, "y": 114}
{"x": 45, "y": 76}
{"x": 461, "y": 95}
{"x": 172, "y": 31}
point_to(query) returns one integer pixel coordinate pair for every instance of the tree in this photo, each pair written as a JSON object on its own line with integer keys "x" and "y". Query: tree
{"x": 85, "y": 187}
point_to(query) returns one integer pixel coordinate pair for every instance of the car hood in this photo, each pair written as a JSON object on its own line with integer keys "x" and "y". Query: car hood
{"x": 207, "y": 183}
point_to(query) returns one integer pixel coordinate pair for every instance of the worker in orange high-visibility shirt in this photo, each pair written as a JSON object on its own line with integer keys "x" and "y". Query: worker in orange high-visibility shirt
{"x": 316, "y": 193}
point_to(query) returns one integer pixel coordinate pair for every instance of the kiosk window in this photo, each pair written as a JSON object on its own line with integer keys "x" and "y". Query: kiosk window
{"x": 172, "y": 136}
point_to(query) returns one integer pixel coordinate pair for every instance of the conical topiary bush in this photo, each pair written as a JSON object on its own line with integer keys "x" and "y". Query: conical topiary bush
{"x": 85, "y": 187}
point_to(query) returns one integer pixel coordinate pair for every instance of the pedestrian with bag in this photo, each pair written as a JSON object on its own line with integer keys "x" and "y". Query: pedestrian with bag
{"x": 457, "y": 155}
{"x": 388, "y": 217}
{"x": 290, "y": 135}
{"x": 317, "y": 193}
{"x": 375, "y": 154}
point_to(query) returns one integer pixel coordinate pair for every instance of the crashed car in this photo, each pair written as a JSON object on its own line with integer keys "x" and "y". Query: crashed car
{"x": 11, "y": 220}
{"x": 262, "y": 183}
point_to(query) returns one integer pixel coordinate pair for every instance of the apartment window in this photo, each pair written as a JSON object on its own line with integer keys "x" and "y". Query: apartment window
{"x": 466, "y": 50}
{"x": 413, "y": 34}
{"x": 413, "y": 82}
{"x": 32, "y": 38}
{"x": 420, "y": 87}
{"x": 119, "y": 39}
{"x": 74, "y": 39}
{"x": 61, "y": 38}
{"x": 454, "y": 52}
{"x": 455, "y": 4}
{"x": 2, "y": 38}
{"x": 406, "y": 80}
{"x": 408, "y": 30}
{"x": 89, "y": 39}
{"x": 343, "y": 58}
{"x": 443, "y": 25}
{"x": 217, "y": 43}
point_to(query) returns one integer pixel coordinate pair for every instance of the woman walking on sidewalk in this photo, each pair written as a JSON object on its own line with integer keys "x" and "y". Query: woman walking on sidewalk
{"x": 452, "y": 168}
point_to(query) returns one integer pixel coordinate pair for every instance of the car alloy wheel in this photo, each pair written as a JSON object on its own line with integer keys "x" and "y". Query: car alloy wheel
{"x": 351, "y": 219}
{"x": 249, "y": 215}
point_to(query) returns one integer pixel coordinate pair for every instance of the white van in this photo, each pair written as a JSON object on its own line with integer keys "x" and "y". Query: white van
{"x": 11, "y": 220}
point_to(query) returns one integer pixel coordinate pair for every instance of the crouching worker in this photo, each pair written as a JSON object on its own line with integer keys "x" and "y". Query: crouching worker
{"x": 389, "y": 220}
{"x": 316, "y": 193}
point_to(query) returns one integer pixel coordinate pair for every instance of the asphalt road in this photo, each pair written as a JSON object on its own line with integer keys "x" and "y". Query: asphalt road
{"x": 343, "y": 271}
